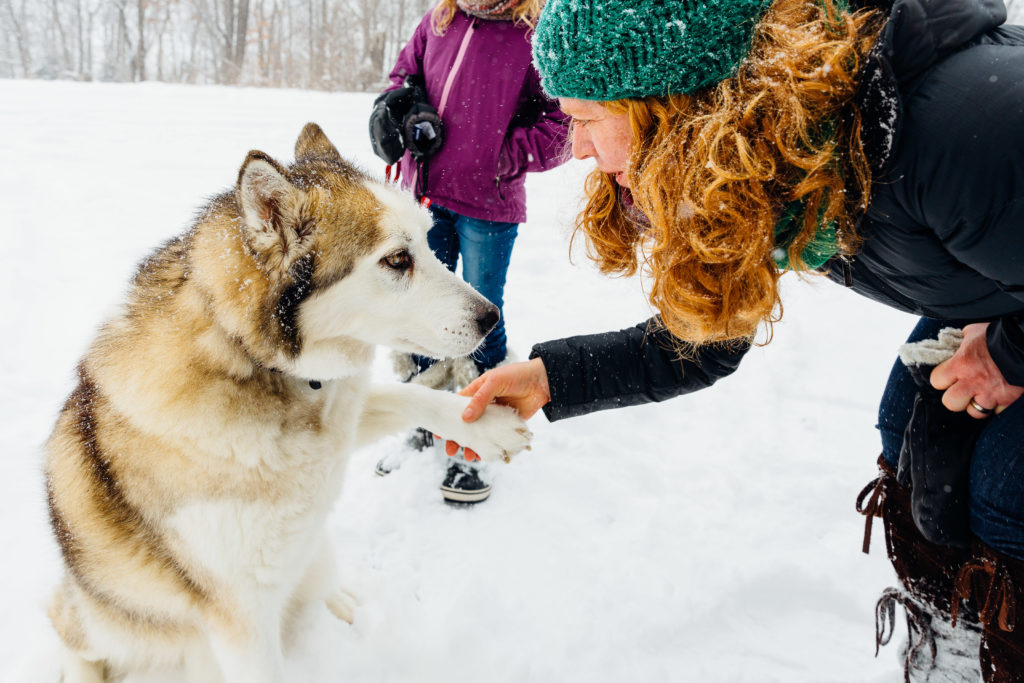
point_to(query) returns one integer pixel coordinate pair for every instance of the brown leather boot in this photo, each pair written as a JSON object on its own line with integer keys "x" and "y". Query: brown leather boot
{"x": 937, "y": 650}
{"x": 996, "y": 582}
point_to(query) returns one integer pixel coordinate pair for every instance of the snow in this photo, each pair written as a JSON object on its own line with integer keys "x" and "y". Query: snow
{"x": 709, "y": 538}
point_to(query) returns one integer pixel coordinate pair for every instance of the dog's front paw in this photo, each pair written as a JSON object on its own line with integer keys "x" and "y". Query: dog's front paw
{"x": 342, "y": 604}
{"x": 498, "y": 434}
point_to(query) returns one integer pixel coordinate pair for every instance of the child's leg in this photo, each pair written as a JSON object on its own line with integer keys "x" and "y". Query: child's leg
{"x": 443, "y": 237}
{"x": 486, "y": 248}
{"x": 444, "y": 242}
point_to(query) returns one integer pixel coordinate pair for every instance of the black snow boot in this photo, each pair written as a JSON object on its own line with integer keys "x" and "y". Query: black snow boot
{"x": 462, "y": 484}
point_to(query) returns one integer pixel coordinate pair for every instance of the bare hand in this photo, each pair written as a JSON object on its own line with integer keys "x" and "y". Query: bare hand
{"x": 971, "y": 374}
{"x": 523, "y": 386}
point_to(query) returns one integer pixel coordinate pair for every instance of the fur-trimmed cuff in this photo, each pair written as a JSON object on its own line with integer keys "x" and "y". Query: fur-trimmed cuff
{"x": 932, "y": 351}
{"x": 450, "y": 374}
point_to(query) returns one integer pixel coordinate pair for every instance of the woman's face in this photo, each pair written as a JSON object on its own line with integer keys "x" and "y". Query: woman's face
{"x": 600, "y": 134}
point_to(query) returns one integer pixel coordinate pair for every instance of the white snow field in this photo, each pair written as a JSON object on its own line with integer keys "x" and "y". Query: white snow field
{"x": 709, "y": 538}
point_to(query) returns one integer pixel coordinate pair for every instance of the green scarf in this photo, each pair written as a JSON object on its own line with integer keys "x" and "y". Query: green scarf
{"x": 818, "y": 251}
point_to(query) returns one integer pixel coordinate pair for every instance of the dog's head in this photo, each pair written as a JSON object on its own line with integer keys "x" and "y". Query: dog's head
{"x": 344, "y": 263}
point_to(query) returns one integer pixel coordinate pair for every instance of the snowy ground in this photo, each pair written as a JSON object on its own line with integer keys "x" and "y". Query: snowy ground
{"x": 710, "y": 538}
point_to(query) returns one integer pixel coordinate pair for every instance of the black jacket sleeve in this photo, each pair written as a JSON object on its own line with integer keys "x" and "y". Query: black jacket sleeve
{"x": 1005, "y": 339}
{"x": 636, "y": 365}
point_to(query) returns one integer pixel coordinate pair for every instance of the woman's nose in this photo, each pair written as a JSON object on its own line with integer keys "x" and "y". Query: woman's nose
{"x": 582, "y": 147}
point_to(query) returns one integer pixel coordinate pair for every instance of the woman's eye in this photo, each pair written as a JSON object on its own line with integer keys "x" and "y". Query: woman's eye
{"x": 399, "y": 260}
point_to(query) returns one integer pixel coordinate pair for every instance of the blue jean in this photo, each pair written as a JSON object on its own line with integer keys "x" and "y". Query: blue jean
{"x": 996, "y": 483}
{"x": 486, "y": 250}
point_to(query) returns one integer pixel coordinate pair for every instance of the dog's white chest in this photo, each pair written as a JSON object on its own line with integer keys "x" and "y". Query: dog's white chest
{"x": 267, "y": 532}
{"x": 247, "y": 541}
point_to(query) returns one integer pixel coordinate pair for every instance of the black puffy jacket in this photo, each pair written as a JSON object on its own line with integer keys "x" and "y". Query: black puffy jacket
{"x": 942, "y": 96}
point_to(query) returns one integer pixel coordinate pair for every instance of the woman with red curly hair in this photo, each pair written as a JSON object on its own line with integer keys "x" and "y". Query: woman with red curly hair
{"x": 878, "y": 143}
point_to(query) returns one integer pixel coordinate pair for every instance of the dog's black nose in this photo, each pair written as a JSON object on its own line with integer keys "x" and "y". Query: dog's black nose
{"x": 487, "y": 318}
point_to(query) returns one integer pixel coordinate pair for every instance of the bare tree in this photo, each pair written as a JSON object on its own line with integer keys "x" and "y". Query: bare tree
{"x": 139, "y": 62}
{"x": 241, "y": 26}
{"x": 64, "y": 65}
{"x": 20, "y": 38}
{"x": 227, "y": 24}
{"x": 322, "y": 44}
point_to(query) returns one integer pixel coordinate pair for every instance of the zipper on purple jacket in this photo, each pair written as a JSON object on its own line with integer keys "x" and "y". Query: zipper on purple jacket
{"x": 448, "y": 84}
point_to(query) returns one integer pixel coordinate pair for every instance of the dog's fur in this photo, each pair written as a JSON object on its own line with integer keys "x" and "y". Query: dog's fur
{"x": 191, "y": 470}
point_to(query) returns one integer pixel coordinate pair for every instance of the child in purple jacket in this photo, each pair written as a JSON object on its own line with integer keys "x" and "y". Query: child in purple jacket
{"x": 472, "y": 59}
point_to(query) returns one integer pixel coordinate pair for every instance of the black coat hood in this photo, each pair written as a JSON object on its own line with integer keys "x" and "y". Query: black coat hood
{"x": 918, "y": 34}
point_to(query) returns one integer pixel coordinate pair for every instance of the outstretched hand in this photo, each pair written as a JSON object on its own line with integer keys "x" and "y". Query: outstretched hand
{"x": 523, "y": 386}
{"x": 971, "y": 378}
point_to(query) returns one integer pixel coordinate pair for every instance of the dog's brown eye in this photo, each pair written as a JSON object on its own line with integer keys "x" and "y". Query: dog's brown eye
{"x": 399, "y": 260}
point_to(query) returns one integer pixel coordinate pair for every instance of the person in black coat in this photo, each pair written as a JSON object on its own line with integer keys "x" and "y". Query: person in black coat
{"x": 880, "y": 144}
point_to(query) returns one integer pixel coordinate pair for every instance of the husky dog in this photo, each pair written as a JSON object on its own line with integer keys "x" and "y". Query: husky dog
{"x": 192, "y": 468}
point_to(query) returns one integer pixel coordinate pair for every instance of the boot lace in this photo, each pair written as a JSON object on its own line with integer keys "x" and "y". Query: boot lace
{"x": 920, "y": 637}
{"x": 999, "y": 606}
{"x": 872, "y": 508}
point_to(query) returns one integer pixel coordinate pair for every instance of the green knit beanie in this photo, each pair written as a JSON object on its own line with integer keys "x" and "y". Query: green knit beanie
{"x": 612, "y": 49}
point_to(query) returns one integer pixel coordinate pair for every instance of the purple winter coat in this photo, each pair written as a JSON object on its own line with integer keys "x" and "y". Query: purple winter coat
{"x": 499, "y": 125}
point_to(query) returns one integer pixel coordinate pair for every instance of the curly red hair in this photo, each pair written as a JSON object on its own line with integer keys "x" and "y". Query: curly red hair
{"x": 713, "y": 172}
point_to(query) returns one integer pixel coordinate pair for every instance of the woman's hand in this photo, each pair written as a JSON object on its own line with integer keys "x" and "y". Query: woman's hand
{"x": 523, "y": 386}
{"x": 971, "y": 378}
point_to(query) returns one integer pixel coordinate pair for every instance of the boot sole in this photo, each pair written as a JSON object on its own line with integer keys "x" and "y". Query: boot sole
{"x": 382, "y": 470}
{"x": 463, "y": 496}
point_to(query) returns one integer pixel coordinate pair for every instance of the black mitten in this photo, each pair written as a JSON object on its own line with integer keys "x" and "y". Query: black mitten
{"x": 935, "y": 458}
{"x": 422, "y": 131}
{"x": 403, "y": 119}
{"x": 389, "y": 110}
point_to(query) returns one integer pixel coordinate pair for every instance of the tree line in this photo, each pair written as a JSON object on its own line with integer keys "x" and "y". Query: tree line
{"x": 312, "y": 44}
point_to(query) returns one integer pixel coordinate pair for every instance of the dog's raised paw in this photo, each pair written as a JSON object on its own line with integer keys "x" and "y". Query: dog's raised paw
{"x": 498, "y": 434}
{"x": 342, "y": 604}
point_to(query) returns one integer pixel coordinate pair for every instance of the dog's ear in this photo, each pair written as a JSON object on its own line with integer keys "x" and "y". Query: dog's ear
{"x": 313, "y": 143}
{"x": 272, "y": 209}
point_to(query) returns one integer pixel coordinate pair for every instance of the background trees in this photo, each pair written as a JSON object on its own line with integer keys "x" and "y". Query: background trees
{"x": 312, "y": 44}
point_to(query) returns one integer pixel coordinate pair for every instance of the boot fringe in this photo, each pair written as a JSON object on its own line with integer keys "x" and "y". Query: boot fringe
{"x": 937, "y": 650}
{"x": 999, "y": 606}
